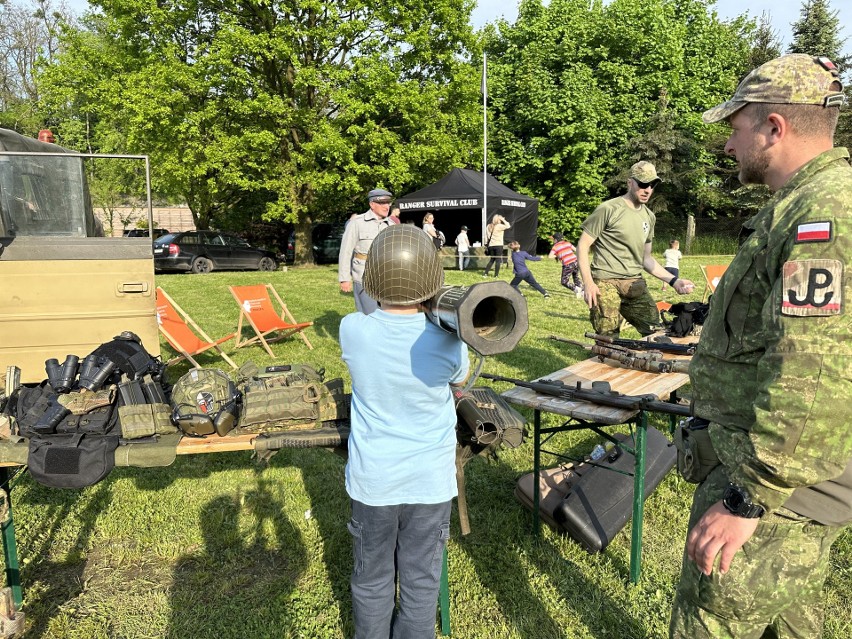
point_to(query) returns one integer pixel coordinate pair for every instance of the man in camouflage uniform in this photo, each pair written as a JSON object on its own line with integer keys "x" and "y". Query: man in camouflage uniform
{"x": 620, "y": 232}
{"x": 773, "y": 369}
{"x": 360, "y": 232}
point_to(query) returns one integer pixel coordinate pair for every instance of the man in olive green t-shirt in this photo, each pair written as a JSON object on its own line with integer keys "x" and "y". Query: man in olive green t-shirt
{"x": 620, "y": 232}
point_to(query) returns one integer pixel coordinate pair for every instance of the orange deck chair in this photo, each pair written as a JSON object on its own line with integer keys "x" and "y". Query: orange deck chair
{"x": 257, "y": 309}
{"x": 182, "y": 333}
{"x": 712, "y": 274}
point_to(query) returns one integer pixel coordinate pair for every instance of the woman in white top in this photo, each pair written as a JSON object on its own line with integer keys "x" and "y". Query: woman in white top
{"x": 494, "y": 243}
{"x": 429, "y": 227}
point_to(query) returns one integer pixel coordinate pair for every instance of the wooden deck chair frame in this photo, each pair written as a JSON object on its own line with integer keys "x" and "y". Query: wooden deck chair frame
{"x": 711, "y": 272}
{"x": 193, "y": 326}
{"x": 288, "y": 327}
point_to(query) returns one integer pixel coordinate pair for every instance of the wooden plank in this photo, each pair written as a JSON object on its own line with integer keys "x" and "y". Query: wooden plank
{"x": 215, "y": 444}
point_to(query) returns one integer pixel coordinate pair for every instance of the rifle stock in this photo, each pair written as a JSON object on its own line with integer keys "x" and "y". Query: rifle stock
{"x": 557, "y": 388}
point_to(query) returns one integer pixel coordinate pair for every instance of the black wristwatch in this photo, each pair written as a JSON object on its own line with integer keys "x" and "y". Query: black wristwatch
{"x": 673, "y": 280}
{"x": 737, "y": 502}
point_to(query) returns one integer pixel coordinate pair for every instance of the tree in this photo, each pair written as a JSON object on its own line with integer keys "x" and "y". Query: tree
{"x": 308, "y": 104}
{"x": 817, "y": 32}
{"x": 29, "y": 33}
{"x": 766, "y": 44}
{"x": 576, "y": 89}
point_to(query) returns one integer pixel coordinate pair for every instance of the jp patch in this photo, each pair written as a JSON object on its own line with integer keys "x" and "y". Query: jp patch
{"x": 812, "y": 288}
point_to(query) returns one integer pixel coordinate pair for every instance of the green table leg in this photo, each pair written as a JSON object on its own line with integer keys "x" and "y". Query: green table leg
{"x": 536, "y": 463}
{"x": 638, "y": 498}
{"x": 10, "y": 548}
{"x": 444, "y": 596}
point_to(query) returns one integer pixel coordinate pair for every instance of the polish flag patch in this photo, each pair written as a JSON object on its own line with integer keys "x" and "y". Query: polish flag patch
{"x": 813, "y": 232}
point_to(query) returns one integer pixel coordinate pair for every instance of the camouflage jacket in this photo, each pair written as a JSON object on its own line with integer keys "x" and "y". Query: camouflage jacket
{"x": 773, "y": 366}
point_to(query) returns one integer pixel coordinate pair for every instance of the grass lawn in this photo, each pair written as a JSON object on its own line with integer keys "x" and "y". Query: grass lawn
{"x": 215, "y": 546}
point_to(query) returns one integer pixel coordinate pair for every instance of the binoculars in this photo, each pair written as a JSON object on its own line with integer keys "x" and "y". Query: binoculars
{"x": 94, "y": 372}
{"x": 62, "y": 378}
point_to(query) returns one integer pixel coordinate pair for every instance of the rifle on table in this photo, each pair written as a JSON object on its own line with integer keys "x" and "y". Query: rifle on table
{"x": 649, "y": 360}
{"x": 642, "y": 345}
{"x": 600, "y": 393}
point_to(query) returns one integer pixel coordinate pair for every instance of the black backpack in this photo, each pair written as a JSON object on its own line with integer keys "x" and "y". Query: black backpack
{"x": 686, "y": 315}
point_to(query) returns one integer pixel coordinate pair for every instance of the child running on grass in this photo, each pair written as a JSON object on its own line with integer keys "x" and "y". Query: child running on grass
{"x": 519, "y": 260}
{"x": 566, "y": 253}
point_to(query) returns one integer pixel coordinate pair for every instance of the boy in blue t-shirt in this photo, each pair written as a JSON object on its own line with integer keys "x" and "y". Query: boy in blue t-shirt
{"x": 522, "y": 273}
{"x": 400, "y": 474}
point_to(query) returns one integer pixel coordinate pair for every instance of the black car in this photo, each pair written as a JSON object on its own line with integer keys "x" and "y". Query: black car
{"x": 155, "y": 233}
{"x": 204, "y": 251}
{"x": 326, "y": 240}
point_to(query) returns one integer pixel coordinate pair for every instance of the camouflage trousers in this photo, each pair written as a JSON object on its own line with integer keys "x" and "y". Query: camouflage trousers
{"x": 774, "y": 585}
{"x": 628, "y": 299}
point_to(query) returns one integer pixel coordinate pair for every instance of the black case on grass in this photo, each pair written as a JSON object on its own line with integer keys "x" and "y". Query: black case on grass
{"x": 592, "y": 504}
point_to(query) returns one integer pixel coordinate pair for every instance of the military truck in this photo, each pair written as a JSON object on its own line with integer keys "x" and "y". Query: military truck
{"x": 64, "y": 287}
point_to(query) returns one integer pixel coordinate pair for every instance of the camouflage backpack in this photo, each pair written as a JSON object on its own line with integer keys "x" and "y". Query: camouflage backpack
{"x": 204, "y": 401}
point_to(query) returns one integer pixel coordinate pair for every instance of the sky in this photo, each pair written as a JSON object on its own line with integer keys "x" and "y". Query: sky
{"x": 782, "y": 14}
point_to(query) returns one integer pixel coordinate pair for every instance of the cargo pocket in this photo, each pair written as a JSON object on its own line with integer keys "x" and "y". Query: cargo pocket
{"x": 357, "y": 532}
{"x": 438, "y": 557}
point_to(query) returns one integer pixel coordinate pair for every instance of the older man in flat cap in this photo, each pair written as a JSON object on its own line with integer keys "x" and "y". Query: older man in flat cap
{"x": 772, "y": 377}
{"x": 620, "y": 232}
{"x": 360, "y": 232}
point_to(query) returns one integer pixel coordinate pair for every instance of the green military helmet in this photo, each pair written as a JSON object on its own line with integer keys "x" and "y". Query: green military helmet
{"x": 403, "y": 266}
{"x": 204, "y": 401}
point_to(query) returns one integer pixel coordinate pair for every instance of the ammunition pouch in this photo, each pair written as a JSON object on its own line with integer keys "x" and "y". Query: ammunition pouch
{"x": 145, "y": 420}
{"x": 695, "y": 455}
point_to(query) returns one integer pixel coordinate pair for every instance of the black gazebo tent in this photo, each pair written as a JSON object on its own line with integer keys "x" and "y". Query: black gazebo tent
{"x": 456, "y": 199}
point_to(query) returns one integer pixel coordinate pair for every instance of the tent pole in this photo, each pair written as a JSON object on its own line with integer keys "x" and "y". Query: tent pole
{"x": 484, "y": 147}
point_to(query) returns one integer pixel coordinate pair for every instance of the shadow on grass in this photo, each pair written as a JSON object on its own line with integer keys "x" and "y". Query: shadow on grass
{"x": 323, "y": 477}
{"x": 328, "y": 324}
{"x": 50, "y": 585}
{"x": 504, "y": 557}
{"x": 239, "y": 582}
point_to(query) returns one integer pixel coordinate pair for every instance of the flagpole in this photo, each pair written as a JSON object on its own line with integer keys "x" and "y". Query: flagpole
{"x": 484, "y": 147}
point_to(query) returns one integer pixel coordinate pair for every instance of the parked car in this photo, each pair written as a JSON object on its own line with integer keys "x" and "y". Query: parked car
{"x": 204, "y": 251}
{"x": 326, "y": 240}
{"x": 144, "y": 233}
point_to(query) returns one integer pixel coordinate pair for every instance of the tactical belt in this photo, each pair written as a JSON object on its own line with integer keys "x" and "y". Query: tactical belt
{"x": 361, "y": 256}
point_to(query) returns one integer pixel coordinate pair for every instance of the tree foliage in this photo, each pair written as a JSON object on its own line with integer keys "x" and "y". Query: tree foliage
{"x": 29, "y": 33}
{"x": 766, "y": 43}
{"x": 579, "y": 100}
{"x": 300, "y": 107}
{"x": 817, "y": 31}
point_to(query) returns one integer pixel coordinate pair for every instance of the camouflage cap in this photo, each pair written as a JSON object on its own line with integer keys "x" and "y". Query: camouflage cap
{"x": 791, "y": 79}
{"x": 644, "y": 172}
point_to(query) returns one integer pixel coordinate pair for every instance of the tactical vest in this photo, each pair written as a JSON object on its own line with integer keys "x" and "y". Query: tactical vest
{"x": 74, "y": 425}
{"x": 287, "y": 397}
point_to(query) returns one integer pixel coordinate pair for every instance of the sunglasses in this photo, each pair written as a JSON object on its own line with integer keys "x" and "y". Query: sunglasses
{"x": 382, "y": 201}
{"x": 644, "y": 185}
